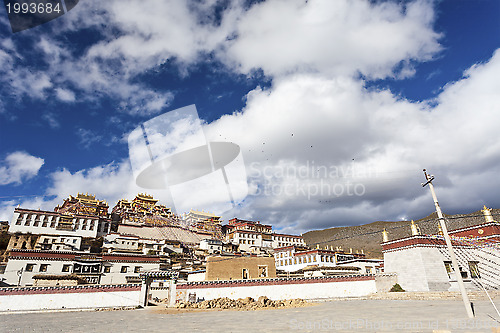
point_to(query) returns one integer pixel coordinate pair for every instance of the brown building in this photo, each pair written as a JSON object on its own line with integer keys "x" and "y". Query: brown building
{"x": 84, "y": 204}
{"x": 240, "y": 268}
{"x": 143, "y": 210}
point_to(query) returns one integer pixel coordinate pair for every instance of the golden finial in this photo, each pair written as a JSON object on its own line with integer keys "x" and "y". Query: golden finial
{"x": 414, "y": 229}
{"x": 487, "y": 214}
{"x": 385, "y": 236}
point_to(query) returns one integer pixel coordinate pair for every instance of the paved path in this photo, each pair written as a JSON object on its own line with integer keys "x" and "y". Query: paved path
{"x": 336, "y": 316}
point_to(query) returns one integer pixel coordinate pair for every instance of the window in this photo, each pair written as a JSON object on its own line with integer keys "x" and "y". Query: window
{"x": 368, "y": 270}
{"x": 450, "y": 271}
{"x": 245, "y": 274}
{"x": 43, "y": 267}
{"x": 262, "y": 271}
{"x": 124, "y": 269}
{"x": 449, "y": 268}
{"x": 107, "y": 269}
{"x": 66, "y": 268}
{"x": 474, "y": 269}
{"x": 137, "y": 269}
{"x": 29, "y": 267}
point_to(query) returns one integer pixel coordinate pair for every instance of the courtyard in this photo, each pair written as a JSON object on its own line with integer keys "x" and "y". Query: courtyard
{"x": 352, "y": 315}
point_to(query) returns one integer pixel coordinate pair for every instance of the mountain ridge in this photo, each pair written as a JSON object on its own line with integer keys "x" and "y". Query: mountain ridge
{"x": 368, "y": 237}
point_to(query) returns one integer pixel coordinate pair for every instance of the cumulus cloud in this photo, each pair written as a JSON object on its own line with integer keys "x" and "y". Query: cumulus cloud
{"x": 314, "y": 138}
{"x": 334, "y": 37}
{"x": 65, "y": 95}
{"x": 317, "y": 124}
{"x": 18, "y": 167}
{"x": 339, "y": 37}
{"x": 111, "y": 182}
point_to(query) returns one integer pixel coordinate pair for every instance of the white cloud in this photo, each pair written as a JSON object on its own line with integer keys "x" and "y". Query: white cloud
{"x": 51, "y": 119}
{"x": 330, "y": 37}
{"x": 18, "y": 167}
{"x": 316, "y": 114}
{"x": 65, "y": 95}
{"x": 368, "y": 138}
{"x": 110, "y": 182}
{"x": 333, "y": 37}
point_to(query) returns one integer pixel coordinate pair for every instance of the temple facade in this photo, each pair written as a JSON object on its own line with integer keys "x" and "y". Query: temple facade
{"x": 84, "y": 204}
{"x": 293, "y": 258}
{"x": 204, "y": 222}
{"x": 143, "y": 210}
{"x": 251, "y": 236}
{"x": 423, "y": 263}
{"x": 37, "y": 222}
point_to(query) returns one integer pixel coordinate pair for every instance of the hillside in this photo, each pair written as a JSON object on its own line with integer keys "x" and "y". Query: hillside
{"x": 369, "y": 236}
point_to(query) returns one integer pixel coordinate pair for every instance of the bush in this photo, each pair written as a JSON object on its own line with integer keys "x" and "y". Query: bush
{"x": 396, "y": 288}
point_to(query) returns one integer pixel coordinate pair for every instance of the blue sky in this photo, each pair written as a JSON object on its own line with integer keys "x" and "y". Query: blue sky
{"x": 372, "y": 91}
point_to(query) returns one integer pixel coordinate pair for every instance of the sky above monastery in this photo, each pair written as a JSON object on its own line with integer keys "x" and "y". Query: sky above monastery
{"x": 337, "y": 106}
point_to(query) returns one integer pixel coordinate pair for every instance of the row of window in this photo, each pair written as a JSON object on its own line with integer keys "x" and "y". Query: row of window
{"x": 67, "y": 268}
{"x": 473, "y": 269}
{"x": 50, "y": 222}
{"x": 244, "y": 241}
{"x": 304, "y": 260}
{"x": 247, "y": 235}
{"x": 288, "y": 239}
{"x": 62, "y": 240}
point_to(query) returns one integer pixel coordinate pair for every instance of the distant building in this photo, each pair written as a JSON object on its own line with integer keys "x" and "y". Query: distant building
{"x": 143, "y": 210}
{"x": 24, "y": 265}
{"x": 4, "y": 226}
{"x": 250, "y": 235}
{"x": 37, "y": 222}
{"x": 204, "y": 222}
{"x": 118, "y": 243}
{"x": 84, "y": 204}
{"x": 211, "y": 245}
{"x": 58, "y": 243}
{"x": 422, "y": 262}
{"x": 293, "y": 258}
{"x": 239, "y": 268}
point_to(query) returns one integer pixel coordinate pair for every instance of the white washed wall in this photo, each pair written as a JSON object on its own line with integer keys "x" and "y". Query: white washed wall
{"x": 60, "y": 301}
{"x": 285, "y": 291}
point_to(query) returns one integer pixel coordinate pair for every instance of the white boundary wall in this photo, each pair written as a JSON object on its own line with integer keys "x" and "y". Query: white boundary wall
{"x": 290, "y": 291}
{"x": 69, "y": 300}
{"x": 280, "y": 291}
